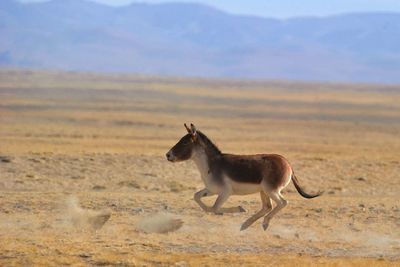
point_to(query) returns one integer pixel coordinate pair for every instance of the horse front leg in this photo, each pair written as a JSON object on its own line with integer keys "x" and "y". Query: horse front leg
{"x": 203, "y": 193}
{"x": 217, "y": 207}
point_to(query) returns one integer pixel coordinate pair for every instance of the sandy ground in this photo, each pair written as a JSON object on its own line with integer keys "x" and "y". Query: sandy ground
{"x": 79, "y": 150}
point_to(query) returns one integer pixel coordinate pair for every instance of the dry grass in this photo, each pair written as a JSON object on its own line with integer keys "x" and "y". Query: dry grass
{"x": 103, "y": 139}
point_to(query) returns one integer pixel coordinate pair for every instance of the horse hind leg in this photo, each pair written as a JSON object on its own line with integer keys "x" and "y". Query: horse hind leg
{"x": 217, "y": 206}
{"x": 266, "y": 207}
{"x": 280, "y": 204}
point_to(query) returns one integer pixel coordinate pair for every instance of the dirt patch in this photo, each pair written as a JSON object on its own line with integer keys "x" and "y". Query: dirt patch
{"x": 135, "y": 208}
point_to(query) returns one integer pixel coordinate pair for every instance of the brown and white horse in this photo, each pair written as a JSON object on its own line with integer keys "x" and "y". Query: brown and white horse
{"x": 226, "y": 174}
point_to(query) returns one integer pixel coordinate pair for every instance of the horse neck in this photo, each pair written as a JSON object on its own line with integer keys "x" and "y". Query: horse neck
{"x": 204, "y": 154}
{"x": 201, "y": 159}
{"x": 209, "y": 147}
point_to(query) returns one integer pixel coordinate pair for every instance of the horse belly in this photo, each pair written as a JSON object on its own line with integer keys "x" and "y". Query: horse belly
{"x": 244, "y": 188}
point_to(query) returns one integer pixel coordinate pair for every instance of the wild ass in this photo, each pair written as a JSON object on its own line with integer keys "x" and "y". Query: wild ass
{"x": 227, "y": 174}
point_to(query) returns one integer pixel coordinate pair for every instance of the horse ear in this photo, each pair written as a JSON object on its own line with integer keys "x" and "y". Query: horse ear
{"x": 194, "y": 132}
{"x": 187, "y": 128}
{"x": 193, "y": 128}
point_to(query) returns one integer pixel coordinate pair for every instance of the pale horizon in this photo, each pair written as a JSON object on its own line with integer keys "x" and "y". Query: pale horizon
{"x": 275, "y": 8}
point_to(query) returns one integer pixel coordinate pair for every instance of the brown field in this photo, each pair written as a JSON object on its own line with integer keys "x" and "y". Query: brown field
{"x": 102, "y": 139}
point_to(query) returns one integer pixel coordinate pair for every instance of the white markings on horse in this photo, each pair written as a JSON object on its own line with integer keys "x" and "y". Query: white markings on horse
{"x": 227, "y": 174}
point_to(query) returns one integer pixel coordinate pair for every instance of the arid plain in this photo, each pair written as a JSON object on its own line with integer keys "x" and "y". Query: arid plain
{"x": 73, "y": 142}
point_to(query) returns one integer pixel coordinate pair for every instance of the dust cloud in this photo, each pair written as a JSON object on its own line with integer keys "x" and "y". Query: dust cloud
{"x": 159, "y": 223}
{"x": 84, "y": 218}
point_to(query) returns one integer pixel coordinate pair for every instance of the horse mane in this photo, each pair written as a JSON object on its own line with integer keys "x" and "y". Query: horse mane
{"x": 210, "y": 146}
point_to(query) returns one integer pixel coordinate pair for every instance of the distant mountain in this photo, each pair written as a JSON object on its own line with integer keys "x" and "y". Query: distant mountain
{"x": 197, "y": 40}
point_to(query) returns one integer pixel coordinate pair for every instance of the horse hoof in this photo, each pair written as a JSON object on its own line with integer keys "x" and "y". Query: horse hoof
{"x": 265, "y": 226}
{"x": 243, "y": 227}
{"x": 241, "y": 209}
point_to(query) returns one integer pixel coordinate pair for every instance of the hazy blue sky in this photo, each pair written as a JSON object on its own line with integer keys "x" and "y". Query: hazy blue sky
{"x": 280, "y": 8}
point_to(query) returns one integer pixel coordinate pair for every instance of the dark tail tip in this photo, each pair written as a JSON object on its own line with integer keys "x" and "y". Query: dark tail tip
{"x": 301, "y": 191}
{"x": 306, "y": 195}
{"x": 313, "y": 195}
